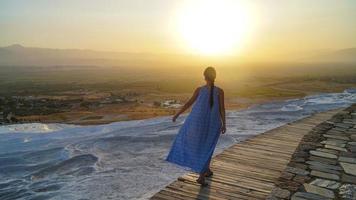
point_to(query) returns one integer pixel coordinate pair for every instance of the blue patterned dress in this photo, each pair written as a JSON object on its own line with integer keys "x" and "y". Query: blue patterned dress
{"x": 195, "y": 142}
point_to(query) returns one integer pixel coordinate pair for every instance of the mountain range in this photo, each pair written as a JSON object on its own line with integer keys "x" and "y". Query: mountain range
{"x": 31, "y": 56}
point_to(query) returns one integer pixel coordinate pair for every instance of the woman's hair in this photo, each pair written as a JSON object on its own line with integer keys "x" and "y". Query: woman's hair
{"x": 210, "y": 75}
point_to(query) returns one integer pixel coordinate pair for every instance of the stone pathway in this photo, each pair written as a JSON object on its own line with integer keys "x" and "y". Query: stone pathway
{"x": 324, "y": 165}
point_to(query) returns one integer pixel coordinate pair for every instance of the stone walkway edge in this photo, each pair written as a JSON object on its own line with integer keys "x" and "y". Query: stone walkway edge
{"x": 323, "y": 166}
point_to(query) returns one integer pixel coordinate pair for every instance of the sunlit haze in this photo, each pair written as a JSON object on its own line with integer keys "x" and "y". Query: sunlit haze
{"x": 250, "y": 30}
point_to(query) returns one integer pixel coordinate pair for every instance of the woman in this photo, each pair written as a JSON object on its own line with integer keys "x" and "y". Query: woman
{"x": 195, "y": 142}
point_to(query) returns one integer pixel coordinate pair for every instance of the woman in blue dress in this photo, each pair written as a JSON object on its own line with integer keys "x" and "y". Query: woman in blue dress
{"x": 195, "y": 142}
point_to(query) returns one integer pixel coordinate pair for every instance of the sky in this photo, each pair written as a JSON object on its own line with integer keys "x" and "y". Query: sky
{"x": 270, "y": 27}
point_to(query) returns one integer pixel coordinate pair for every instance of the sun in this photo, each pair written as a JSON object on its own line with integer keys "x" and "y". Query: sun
{"x": 213, "y": 27}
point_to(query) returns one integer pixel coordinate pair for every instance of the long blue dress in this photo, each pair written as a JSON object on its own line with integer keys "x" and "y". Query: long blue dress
{"x": 195, "y": 142}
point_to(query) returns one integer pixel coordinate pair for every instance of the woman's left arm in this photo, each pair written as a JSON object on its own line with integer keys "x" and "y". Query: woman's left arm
{"x": 187, "y": 105}
{"x": 222, "y": 110}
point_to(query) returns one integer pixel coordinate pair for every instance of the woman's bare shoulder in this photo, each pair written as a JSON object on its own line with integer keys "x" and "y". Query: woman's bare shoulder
{"x": 220, "y": 90}
{"x": 198, "y": 89}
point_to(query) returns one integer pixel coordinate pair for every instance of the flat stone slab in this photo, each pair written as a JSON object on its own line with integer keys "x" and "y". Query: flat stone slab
{"x": 325, "y": 175}
{"x": 349, "y": 168}
{"x": 353, "y": 137}
{"x": 323, "y": 154}
{"x": 347, "y": 159}
{"x": 338, "y": 137}
{"x": 326, "y": 183}
{"x": 336, "y": 132}
{"x": 352, "y": 143}
{"x": 307, "y": 196}
{"x": 348, "y": 154}
{"x": 280, "y": 193}
{"x": 297, "y": 171}
{"x": 348, "y": 178}
{"x": 322, "y": 169}
{"x": 349, "y": 121}
{"x": 344, "y": 125}
{"x": 323, "y": 160}
{"x": 339, "y": 143}
{"x": 352, "y": 131}
{"x": 335, "y": 148}
{"x": 319, "y": 190}
{"x": 329, "y": 122}
{"x": 332, "y": 151}
{"x": 301, "y": 179}
{"x": 323, "y": 165}
{"x": 339, "y": 130}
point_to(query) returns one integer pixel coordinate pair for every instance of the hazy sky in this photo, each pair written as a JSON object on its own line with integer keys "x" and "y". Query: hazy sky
{"x": 278, "y": 26}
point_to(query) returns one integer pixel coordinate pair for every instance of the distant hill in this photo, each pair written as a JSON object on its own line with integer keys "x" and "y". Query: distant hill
{"x": 19, "y": 55}
{"x": 30, "y": 56}
{"x": 340, "y": 56}
{"x": 345, "y": 55}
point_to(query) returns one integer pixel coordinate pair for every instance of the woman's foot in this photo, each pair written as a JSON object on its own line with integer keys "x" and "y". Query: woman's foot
{"x": 201, "y": 181}
{"x": 209, "y": 173}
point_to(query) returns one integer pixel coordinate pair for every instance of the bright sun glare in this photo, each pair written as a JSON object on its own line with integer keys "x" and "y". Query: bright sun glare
{"x": 214, "y": 27}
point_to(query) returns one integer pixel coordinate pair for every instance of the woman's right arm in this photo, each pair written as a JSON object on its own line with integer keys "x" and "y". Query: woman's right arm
{"x": 222, "y": 110}
{"x": 187, "y": 105}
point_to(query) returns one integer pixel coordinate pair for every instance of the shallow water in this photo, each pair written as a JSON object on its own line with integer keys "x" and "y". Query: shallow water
{"x": 123, "y": 160}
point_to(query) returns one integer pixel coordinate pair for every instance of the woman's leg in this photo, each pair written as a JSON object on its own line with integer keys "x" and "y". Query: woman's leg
{"x": 208, "y": 172}
{"x": 201, "y": 179}
{"x": 202, "y": 175}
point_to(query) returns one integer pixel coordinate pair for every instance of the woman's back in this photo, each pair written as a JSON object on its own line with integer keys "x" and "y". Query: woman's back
{"x": 201, "y": 109}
